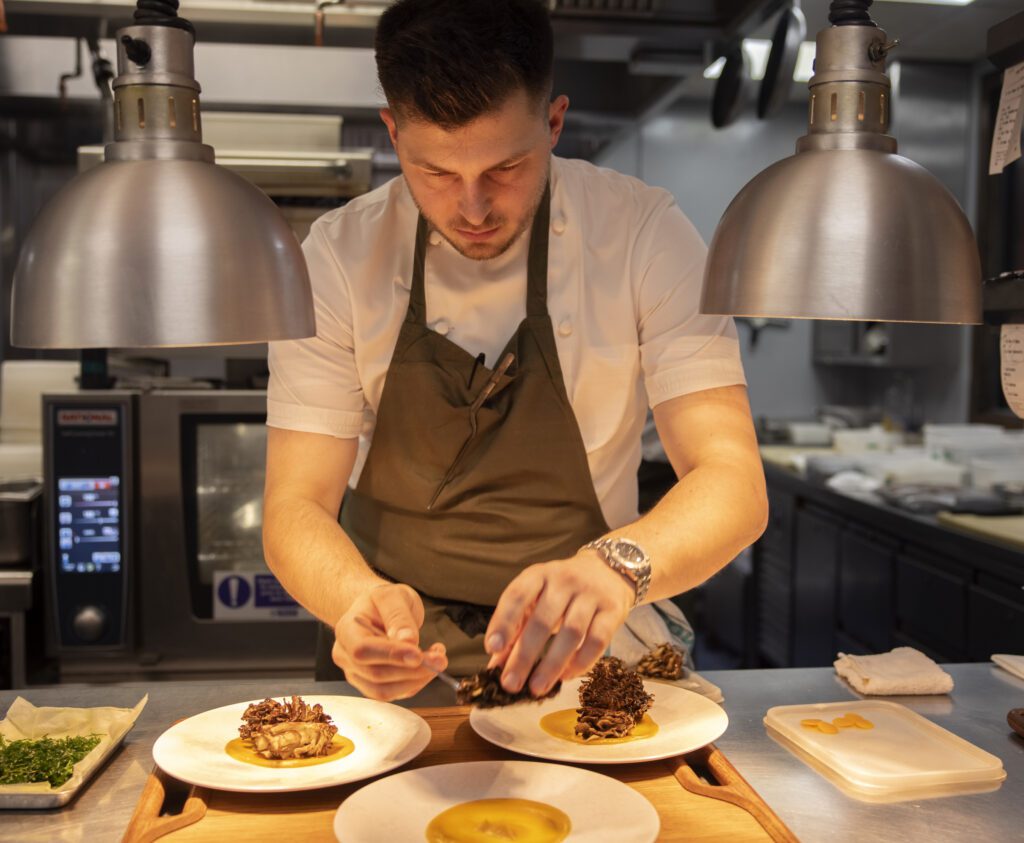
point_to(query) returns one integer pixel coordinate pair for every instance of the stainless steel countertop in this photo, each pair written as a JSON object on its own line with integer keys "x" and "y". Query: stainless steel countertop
{"x": 810, "y": 805}
{"x": 815, "y": 810}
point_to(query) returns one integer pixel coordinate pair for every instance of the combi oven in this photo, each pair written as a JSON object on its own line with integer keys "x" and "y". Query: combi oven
{"x": 154, "y": 559}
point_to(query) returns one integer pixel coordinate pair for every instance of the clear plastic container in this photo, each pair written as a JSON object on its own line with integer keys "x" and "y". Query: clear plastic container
{"x": 903, "y": 756}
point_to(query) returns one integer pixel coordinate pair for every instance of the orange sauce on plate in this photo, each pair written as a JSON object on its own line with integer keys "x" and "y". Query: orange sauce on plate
{"x": 241, "y": 750}
{"x": 505, "y": 820}
{"x": 562, "y": 724}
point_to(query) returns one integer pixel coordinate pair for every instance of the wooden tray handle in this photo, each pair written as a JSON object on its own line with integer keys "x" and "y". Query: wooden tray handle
{"x": 147, "y": 824}
{"x": 730, "y": 787}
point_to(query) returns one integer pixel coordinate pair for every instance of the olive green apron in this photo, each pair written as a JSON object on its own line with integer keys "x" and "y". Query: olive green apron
{"x": 472, "y": 474}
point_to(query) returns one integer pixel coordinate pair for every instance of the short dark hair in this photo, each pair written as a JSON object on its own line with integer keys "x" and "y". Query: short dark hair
{"x": 451, "y": 61}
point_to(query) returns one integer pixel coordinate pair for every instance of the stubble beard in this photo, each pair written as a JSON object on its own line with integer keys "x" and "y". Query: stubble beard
{"x": 489, "y": 251}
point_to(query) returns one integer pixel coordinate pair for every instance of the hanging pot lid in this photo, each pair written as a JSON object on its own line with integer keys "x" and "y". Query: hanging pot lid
{"x": 790, "y": 32}
{"x": 732, "y": 88}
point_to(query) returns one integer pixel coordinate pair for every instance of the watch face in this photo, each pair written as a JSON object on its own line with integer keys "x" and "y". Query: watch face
{"x": 629, "y": 553}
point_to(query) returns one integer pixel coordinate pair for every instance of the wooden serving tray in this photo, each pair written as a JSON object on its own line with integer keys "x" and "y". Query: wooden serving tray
{"x": 699, "y": 797}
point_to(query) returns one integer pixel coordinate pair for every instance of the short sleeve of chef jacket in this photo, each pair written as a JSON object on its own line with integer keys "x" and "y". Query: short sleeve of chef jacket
{"x": 314, "y": 383}
{"x": 681, "y": 350}
{"x": 329, "y": 383}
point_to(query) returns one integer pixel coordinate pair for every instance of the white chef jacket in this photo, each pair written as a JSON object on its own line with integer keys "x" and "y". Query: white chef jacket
{"x": 625, "y": 268}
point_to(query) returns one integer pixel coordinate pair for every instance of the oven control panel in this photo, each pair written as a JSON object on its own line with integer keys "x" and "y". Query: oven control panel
{"x": 88, "y": 456}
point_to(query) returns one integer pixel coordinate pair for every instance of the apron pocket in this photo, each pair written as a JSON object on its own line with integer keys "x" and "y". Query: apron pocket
{"x": 450, "y": 472}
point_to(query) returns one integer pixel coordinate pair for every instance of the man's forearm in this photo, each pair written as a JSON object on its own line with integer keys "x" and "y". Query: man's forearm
{"x": 313, "y": 557}
{"x": 700, "y": 525}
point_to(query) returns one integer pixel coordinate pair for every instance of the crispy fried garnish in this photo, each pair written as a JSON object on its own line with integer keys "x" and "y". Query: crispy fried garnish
{"x": 292, "y": 729}
{"x": 484, "y": 690}
{"x": 612, "y": 700}
{"x": 663, "y": 662}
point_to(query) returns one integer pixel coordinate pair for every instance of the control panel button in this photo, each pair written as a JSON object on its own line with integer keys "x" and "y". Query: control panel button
{"x": 90, "y": 623}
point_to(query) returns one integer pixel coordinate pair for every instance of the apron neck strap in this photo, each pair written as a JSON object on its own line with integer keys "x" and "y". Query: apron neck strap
{"x": 417, "y": 296}
{"x": 537, "y": 260}
{"x": 536, "y": 265}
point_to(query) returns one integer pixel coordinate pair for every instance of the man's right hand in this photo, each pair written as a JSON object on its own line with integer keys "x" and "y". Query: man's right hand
{"x": 377, "y": 644}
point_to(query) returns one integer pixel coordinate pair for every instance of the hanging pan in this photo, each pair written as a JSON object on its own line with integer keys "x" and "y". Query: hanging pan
{"x": 778, "y": 74}
{"x": 732, "y": 88}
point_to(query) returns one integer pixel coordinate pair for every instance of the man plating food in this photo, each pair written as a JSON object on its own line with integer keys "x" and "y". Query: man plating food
{"x": 492, "y": 326}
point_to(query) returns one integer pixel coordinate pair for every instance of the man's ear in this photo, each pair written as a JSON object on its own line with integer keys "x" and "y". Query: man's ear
{"x": 388, "y": 116}
{"x": 556, "y": 117}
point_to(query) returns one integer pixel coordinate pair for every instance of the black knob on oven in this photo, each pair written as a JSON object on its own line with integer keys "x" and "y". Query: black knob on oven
{"x": 90, "y": 623}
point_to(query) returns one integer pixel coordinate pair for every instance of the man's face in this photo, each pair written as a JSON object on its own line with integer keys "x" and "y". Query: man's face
{"x": 480, "y": 184}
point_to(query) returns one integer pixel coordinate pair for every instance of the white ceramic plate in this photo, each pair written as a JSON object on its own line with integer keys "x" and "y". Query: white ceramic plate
{"x": 600, "y": 808}
{"x": 686, "y": 721}
{"x": 385, "y": 736}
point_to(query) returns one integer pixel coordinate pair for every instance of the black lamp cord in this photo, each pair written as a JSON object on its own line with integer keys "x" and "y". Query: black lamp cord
{"x": 846, "y": 13}
{"x": 153, "y": 13}
{"x": 161, "y": 13}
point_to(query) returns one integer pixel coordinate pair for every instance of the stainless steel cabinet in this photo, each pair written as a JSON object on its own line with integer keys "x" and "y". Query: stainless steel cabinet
{"x": 931, "y": 604}
{"x": 995, "y": 619}
{"x": 865, "y": 589}
{"x": 835, "y": 574}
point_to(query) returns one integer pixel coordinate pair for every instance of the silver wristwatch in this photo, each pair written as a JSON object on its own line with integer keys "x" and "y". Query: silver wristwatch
{"x": 626, "y": 557}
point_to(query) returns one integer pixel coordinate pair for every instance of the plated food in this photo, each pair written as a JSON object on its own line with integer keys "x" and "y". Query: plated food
{"x": 266, "y": 746}
{"x": 523, "y": 801}
{"x": 676, "y": 721}
{"x": 663, "y": 662}
{"x": 613, "y": 706}
{"x": 290, "y": 733}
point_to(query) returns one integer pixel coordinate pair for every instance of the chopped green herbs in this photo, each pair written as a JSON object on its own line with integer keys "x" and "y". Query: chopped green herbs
{"x": 43, "y": 760}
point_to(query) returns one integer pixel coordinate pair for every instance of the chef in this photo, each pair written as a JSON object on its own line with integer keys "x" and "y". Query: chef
{"x": 492, "y": 326}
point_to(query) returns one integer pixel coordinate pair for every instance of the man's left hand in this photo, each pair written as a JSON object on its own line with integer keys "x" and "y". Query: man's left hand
{"x": 578, "y": 604}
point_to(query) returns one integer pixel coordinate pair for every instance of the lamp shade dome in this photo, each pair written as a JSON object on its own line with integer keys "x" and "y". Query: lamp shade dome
{"x": 159, "y": 253}
{"x": 845, "y": 234}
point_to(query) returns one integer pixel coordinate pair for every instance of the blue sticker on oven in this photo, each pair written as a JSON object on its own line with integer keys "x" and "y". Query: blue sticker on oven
{"x": 252, "y": 596}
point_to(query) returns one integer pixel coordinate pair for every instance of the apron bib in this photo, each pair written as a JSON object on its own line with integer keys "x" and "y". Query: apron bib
{"x": 473, "y": 473}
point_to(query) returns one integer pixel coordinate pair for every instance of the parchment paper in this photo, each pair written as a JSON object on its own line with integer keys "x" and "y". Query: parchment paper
{"x": 25, "y": 720}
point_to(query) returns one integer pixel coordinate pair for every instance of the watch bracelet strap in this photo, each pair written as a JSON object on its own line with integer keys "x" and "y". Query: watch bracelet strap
{"x": 640, "y": 584}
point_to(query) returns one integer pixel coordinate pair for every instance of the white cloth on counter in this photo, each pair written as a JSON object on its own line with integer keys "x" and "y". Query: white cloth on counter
{"x": 854, "y": 482}
{"x": 650, "y": 625}
{"x": 1011, "y": 664}
{"x": 901, "y": 671}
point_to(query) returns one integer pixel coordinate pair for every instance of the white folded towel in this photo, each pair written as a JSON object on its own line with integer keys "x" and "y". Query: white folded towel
{"x": 902, "y": 671}
{"x": 1012, "y": 664}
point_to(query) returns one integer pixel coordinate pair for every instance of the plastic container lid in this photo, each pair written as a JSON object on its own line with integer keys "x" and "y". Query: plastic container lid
{"x": 904, "y": 755}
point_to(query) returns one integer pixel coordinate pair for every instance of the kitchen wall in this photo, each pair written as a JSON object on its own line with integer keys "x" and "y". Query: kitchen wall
{"x": 37, "y": 158}
{"x": 253, "y": 74}
{"x": 705, "y": 168}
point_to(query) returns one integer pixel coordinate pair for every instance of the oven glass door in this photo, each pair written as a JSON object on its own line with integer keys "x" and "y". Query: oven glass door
{"x": 224, "y": 464}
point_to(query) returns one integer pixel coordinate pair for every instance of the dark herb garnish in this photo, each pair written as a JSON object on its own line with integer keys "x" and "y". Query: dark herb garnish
{"x": 43, "y": 760}
{"x": 484, "y": 690}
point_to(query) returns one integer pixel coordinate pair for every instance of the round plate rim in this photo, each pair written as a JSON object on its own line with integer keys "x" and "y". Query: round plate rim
{"x": 420, "y": 740}
{"x": 648, "y": 805}
{"x": 476, "y": 715}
